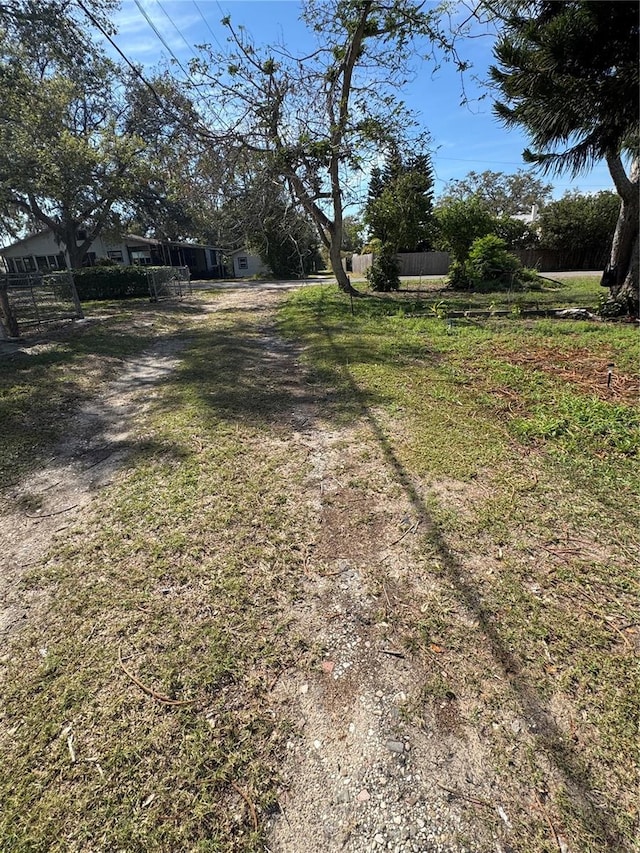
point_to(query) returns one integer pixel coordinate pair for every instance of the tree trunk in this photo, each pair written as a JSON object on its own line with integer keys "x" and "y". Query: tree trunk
{"x": 621, "y": 272}
{"x": 338, "y": 270}
{"x": 7, "y": 316}
{"x": 74, "y": 261}
{"x": 74, "y": 252}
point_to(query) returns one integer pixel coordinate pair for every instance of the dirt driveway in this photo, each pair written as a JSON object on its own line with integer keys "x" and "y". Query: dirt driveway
{"x": 369, "y": 765}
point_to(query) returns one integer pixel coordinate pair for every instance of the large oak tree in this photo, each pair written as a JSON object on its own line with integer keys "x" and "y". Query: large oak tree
{"x": 81, "y": 141}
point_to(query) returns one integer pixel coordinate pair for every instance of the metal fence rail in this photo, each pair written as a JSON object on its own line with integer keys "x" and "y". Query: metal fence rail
{"x": 169, "y": 283}
{"x": 30, "y": 299}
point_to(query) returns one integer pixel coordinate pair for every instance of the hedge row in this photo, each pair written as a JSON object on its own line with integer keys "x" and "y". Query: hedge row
{"x": 111, "y": 282}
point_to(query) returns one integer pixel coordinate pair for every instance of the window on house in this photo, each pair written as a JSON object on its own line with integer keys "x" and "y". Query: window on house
{"x": 243, "y": 263}
{"x": 140, "y": 256}
{"x": 82, "y": 235}
{"x": 116, "y": 255}
{"x": 53, "y": 262}
{"x": 42, "y": 263}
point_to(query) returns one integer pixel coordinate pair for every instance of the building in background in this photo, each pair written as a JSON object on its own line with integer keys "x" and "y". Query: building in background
{"x": 41, "y": 252}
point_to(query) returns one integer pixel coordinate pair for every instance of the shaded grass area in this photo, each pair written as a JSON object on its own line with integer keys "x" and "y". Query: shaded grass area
{"x": 182, "y": 574}
{"x": 60, "y": 367}
{"x": 527, "y": 490}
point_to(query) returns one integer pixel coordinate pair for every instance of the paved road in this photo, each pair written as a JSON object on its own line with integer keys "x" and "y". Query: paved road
{"x": 267, "y": 284}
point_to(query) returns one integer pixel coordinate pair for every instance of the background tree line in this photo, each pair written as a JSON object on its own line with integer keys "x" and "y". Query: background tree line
{"x": 88, "y": 144}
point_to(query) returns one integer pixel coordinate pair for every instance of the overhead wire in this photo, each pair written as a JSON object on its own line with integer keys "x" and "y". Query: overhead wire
{"x": 121, "y": 53}
{"x": 206, "y": 23}
{"x": 189, "y": 78}
{"x": 201, "y": 131}
{"x": 176, "y": 28}
{"x": 161, "y": 38}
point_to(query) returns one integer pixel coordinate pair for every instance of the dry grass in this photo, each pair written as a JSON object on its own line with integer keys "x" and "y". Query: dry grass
{"x": 139, "y": 710}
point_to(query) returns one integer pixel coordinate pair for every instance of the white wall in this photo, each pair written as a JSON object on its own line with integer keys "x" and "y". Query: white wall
{"x": 39, "y": 244}
{"x": 254, "y": 265}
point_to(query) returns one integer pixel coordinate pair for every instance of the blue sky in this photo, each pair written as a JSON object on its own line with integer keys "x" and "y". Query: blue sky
{"x": 464, "y": 138}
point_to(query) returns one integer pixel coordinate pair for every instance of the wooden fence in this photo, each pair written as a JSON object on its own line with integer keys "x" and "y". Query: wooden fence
{"x": 544, "y": 260}
{"x": 411, "y": 263}
{"x": 547, "y": 260}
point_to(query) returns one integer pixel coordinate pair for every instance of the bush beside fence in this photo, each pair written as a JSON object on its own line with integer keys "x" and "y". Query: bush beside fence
{"x": 103, "y": 283}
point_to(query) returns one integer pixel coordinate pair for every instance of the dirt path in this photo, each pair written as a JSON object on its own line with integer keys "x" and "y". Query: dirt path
{"x": 365, "y": 772}
{"x": 371, "y": 765}
{"x": 95, "y": 447}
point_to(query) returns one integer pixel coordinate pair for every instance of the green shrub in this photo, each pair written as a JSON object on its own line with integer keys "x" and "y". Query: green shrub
{"x": 105, "y": 282}
{"x": 490, "y": 265}
{"x": 382, "y": 275}
{"x": 457, "y": 276}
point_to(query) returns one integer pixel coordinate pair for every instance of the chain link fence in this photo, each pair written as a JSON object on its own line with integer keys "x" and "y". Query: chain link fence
{"x": 169, "y": 283}
{"x": 33, "y": 299}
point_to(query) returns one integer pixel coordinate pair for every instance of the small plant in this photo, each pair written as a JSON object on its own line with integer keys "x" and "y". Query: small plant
{"x": 439, "y": 309}
{"x": 382, "y": 275}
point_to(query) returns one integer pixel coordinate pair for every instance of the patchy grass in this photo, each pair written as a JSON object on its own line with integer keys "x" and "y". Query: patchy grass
{"x": 179, "y": 577}
{"x": 522, "y": 465}
{"x": 58, "y": 368}
{"x": 138, "y": 709}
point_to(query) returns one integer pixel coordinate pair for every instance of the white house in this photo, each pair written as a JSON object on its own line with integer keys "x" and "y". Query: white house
{"x": 245, "y": 264}
{"x": 529, "y": 218}
{"x": 40, "y": 251}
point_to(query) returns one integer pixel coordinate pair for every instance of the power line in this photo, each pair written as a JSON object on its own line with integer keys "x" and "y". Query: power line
{"x": 477, "y": 160}
{"x": 133, "y": 67}
{"x": 206, "y": 23}
{"x": 175, "y": 27}
{"x": 161, "y": 37}
{"x": 202, "y": 131}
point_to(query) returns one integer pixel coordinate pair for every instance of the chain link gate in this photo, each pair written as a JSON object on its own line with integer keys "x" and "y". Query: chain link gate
{"x": 169, "y": 283}
{"x": 35, "y": 298}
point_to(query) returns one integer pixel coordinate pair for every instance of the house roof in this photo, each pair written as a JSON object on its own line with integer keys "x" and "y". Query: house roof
{"x": 25, "y": 239}
{"x": 149, "y": 241}
{"x": 134, "y": 239}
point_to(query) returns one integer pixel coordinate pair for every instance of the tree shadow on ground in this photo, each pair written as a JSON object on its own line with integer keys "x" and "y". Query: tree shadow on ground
{"x": 43, "y": 391}
{"x": 244, "y": 372}
{"x": 548, "y": 736}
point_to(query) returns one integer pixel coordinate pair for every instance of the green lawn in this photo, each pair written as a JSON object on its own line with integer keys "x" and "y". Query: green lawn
{"x": 536, "y": 585}
{"x": 138, "y": 711}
